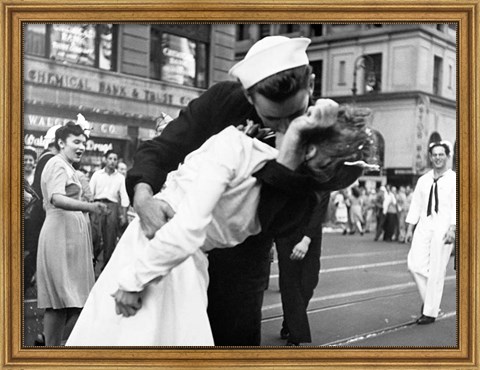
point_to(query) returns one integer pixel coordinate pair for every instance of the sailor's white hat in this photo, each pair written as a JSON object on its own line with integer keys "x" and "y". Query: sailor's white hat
{"x": 269, "y": 56}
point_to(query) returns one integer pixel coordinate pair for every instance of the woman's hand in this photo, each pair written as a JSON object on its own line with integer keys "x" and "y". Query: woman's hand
{"x": 127, "y": 303}
{"x": 98, "y": 208}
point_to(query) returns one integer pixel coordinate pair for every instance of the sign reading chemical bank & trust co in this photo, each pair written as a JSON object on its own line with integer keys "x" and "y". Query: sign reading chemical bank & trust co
{"x": 87, "y": 80}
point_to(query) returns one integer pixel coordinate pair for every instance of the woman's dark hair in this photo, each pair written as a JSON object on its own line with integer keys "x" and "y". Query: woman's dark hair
{"x": 349, "y": 139}
{"x": 284, "y": 84}
{"x": 70, "y": 128}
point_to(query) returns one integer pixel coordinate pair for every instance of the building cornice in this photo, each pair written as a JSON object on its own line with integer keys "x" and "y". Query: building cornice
{"x": 392, "y": 96}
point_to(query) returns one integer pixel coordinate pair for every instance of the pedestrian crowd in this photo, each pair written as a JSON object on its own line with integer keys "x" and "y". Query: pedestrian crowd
{"x": 247, "y": 165}
{"x": 381, "y": 211}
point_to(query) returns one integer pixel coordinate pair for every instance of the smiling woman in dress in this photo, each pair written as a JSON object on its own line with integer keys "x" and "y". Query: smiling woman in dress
{"x": 64, "y": 262}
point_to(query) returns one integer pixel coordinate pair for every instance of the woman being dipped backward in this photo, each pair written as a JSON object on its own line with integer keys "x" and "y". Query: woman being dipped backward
{"x": 65, "y": 272}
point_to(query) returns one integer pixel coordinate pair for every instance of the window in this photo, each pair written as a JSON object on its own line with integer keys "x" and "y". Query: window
{"x": 316, "y": 30}
{"x": 264, "y": 30}
{"x": 35, "y": 39}
{"x": 373, "y": 81}
{"x": 379, "y": 152}
{"x": 450, "y": 76}
{"x": 437, "y": 75}
{"x": 373, "y": 26}
{"x": 341, "y": 73}
{"x": 317, "y": 70}
{"x": 178, "y": 59}
{"x": 243, "y": 32}
{"x": 288, "y": 28}
{"x": 91, "y": 45}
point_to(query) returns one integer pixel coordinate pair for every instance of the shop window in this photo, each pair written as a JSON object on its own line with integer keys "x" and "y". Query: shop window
{"x": 178, "y": 59}
{"x": 437, "y": 75}
{"x": 317, "y": 70}
{"x": 92, "y": 45}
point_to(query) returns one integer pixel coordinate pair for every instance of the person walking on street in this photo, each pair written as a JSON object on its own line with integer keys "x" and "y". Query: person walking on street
{"x": 433, "y": 213}
{"x": 356, "y": 211}
{"x": 379, "y": 214}
{"x": 390, "y": 212}
{"x": 402, "y": 213}
{"x": 108, "y": 187}
{"x": 341, "y": 211}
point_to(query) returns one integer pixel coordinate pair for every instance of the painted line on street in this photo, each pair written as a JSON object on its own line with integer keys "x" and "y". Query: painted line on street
{"x": 377, "y": 333}
{"x": 355, "y": 255}
{"x": 356, "y": 267}
{"x": 357, "y": 293}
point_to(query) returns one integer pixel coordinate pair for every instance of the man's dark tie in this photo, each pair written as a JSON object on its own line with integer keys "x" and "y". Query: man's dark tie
{"x": 433, "y": 190}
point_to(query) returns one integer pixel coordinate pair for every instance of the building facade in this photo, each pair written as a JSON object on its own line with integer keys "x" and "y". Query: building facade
{"x": 406, "y": 74}
{"x": 120, "y": 77}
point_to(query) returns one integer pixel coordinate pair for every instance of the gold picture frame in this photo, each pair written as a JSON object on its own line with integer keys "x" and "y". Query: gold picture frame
{"x": 464, "y": 13}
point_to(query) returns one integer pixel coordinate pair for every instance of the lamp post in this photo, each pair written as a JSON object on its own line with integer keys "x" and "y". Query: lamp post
{"x": 366, "y": 62}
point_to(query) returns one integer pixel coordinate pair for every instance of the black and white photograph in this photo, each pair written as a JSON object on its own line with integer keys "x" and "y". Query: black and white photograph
{"x": 240, "y": 184}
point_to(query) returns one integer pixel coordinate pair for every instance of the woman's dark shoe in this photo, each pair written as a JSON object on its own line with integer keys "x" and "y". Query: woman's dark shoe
{"x": 284, "y": 333}
{"x": 292, "y": 344}
{"x": 425, "y": 320}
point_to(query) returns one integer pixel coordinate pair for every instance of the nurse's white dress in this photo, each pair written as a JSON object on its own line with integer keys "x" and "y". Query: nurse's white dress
{"x": 215, "y": 198}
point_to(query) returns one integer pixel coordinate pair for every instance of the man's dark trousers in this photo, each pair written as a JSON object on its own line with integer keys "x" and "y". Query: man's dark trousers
{"x": 238, "y": 279}
{"x": 297, "y": 280}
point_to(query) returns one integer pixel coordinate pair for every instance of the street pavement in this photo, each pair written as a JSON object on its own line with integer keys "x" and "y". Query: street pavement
{"x": 365, "y": 298}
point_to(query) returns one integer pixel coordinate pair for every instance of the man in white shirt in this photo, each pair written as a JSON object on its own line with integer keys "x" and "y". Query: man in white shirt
{"x": 108, "y": 186}
{"x": 433, "y": 210}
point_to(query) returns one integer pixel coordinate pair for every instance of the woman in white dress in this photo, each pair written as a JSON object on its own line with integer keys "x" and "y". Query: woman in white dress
{"x": 154, "y": 292}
